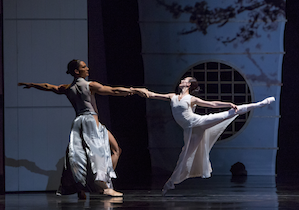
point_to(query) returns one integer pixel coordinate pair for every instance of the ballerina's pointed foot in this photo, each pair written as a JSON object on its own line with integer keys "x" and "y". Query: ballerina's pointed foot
{"x": 112, "y": 192}
{"x": 270, "y": 100}
{"x": 267, "y": 101}
{"x": 168, "y": 186}
{"x": 164, "y": 191}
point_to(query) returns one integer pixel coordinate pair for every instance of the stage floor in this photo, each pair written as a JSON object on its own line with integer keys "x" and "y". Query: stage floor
{"x": 218, "y": 192}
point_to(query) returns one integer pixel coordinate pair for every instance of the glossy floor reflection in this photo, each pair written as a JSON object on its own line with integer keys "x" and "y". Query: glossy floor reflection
{"x": 218, "y": 192}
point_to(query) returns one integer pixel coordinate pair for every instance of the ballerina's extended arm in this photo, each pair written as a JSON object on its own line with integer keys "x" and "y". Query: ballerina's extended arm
{"x": 212, "y": 104}
{"x": 153, "y": 95}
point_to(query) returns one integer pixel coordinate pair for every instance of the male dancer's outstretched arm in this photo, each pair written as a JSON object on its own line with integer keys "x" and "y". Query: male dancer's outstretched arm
{"x": 45, "y": 87}
{"x": 95, "y": 87}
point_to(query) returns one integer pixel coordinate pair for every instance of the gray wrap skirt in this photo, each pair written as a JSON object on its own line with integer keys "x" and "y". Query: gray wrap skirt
{"x": 88, "y": 157}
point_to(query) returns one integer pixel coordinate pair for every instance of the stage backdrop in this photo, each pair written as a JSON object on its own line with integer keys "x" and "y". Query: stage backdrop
{"x": 235, "y": 49}
{"x": 40, "y": 37}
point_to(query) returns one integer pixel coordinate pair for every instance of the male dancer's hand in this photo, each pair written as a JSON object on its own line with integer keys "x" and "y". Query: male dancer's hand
{"x": 142, "y": 92}
{"x": 235, "y": 107}
{"x": 26, "y": 85}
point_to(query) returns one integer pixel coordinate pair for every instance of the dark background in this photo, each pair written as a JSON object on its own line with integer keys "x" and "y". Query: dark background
{"x": 119, "y": 50}
{"x": 288, "y": 156}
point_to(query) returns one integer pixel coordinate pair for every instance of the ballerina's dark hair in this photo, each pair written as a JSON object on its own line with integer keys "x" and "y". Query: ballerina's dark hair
{"x": 194, "y": 88}
{"x": 72, "y": 65}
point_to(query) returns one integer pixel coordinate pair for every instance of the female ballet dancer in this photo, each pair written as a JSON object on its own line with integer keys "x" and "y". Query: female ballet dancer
{"x": 200, "y": 131}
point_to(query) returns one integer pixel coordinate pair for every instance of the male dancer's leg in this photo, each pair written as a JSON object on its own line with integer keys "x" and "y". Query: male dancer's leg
{"x": 115, "y": 149}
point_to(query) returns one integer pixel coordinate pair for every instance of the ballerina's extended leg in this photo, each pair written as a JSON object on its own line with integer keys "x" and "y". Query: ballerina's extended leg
{"x": 242, "y": 109}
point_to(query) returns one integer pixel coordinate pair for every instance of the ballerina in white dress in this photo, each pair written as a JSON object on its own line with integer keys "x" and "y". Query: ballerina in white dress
{"x": 200, "y": 131}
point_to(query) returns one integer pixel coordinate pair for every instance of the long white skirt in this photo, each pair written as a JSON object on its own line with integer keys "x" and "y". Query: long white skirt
{"x": 198, "y": 141}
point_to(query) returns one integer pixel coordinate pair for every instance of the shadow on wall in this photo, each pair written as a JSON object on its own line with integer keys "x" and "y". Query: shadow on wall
{"x": 53, "y": 175}
{"x": 260, "y": 14}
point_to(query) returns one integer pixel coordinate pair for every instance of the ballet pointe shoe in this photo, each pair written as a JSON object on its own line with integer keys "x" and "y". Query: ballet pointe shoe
{"x": 112, "y": 192}
{"x": 167, "y": 186}
{"x": 164, "y": 191}
{"x": 267, "y": 101}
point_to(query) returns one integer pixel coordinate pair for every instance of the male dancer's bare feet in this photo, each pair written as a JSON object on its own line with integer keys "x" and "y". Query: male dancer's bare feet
{"x": 112, "y": 192}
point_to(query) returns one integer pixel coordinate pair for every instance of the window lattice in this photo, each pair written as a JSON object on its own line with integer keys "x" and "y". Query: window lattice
{"x": 221, "y": 82}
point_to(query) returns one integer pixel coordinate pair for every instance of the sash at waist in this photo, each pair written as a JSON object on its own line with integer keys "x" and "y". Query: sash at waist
{"x": 87, "y": 113}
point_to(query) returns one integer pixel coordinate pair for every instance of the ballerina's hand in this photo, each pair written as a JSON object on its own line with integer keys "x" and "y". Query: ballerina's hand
{"x": 143, "y": 92}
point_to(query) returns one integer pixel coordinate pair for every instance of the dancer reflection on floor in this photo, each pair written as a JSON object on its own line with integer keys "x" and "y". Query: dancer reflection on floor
{"x": 200, "y": 131}
{"x": 93, "y": 152}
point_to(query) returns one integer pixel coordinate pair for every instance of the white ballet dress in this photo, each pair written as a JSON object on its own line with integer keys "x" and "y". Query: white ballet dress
{"x": 200, "y": 134}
